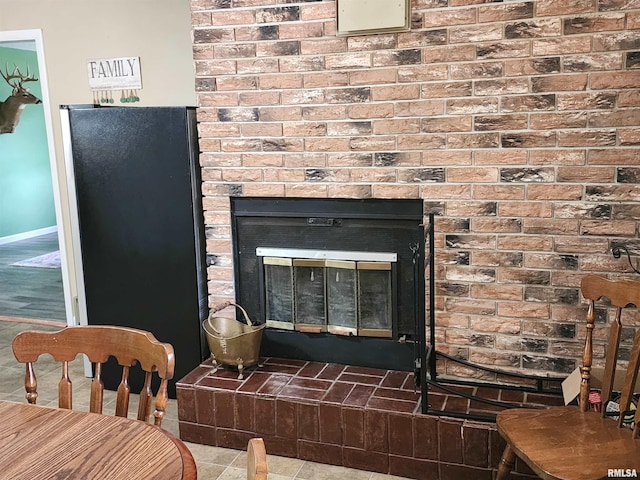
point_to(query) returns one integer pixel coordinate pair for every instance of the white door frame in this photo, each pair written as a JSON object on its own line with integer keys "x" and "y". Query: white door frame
{"x": 35, "y": 35}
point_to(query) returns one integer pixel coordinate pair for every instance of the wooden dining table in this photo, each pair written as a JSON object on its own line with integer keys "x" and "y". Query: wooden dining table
{"x": 39, "y": 442}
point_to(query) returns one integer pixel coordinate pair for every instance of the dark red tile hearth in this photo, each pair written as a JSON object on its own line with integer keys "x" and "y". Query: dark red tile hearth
{"x": 331, "y": 372}
{"x": 375, "y": 372}
{"x": 311, "y": 370}
{"x": 397, "y": 380}
{"x": 425, "y": 437}
{"x": 450, "y": 441}
{"x": 233, "y": 438}
{"x": 496, "y": 447}
{"x": 413, "y": 468}
{"x": 512, "y": 396}
{"x": 255, "y": 381}
{"x": 243, "y": 412}
{"x": 301, "y": 393}
{"x": 330, "y": 423}
{"x": 456, "y": 404}
{"x": 187, "y": 404}
{"x": 359, "y": 396}
{"x": 196, "y": 374}
{"x": 391, "y": 405}
{"x": 196, "y": 433}
{"x": 284, "y": 447}
{"x": 220, "y": 383}
{"x": 544, "y": 399}
{"x": 308, "y": 427}
{"x": 436, "y": 401}
{"x": 284, "y": 362}
{"x": 273, "y": 386}
{"x": 338, "y": 392}
{"x": 376, "y": 436}
{"x": 364, "y": 418}
{"x": 278, "y": 368}
{"x": 353, "y": 427}
{"x": 401, "y": 435}
{"x": 364, "y": 460}
{"x": 283, "y": 369}
{"x": 224, "y": 409}
{"x": 358, "y": 378}
{"x": 320, "y": 452}
{"x": 475, "y": 438}
{"x": 397, "y": 394}
{"x": 487, "y": 407}
{"x": 265, "y": 415}
{"x": 304, "y": 382}
{"x": 488, "y": 393}
{"x": 286, "y": 419}
{"x": 456, "y": 472}
{"x": 205, "y": 407}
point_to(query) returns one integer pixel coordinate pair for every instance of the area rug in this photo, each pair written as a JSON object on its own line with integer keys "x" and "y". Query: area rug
{"x": 48, "y": 260}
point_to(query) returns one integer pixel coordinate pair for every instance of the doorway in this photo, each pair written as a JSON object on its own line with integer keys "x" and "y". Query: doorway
{"x": 32, "y": 253}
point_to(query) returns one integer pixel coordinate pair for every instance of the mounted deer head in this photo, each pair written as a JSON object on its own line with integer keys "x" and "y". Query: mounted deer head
{"x": 11, "y": 108}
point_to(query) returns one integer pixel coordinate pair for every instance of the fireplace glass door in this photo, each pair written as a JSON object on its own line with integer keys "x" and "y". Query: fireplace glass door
{"x": 342, "y": 297}
{"x": 278, "y": 280}
{"x": 309, "y": 294}
{"x": 375, "y": 299}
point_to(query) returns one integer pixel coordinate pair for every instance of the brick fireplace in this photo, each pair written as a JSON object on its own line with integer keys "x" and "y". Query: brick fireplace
{"x": 516, "y": 122}
{"x": 335, "y": 280}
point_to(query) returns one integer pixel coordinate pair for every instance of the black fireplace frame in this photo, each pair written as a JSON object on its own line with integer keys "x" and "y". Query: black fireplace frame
{"x": 327, "y": 213}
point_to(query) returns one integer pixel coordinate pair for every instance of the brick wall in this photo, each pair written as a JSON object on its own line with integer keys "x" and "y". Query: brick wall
{"x": 518, "y": 122}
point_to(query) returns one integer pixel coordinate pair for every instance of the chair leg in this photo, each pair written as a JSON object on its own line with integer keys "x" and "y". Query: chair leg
{"x": 506, "y": 463}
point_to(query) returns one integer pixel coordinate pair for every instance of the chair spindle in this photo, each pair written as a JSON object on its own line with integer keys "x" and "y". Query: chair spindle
{"x": 65, "y": 392}
{"x": 124, "y": 389}
{"x": 97, "y": 390}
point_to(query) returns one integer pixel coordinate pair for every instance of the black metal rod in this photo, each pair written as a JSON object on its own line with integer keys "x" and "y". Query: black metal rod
{"x": 535, "y": 378}
{"x": 432, "y": 295}
{"x": 616, "y": 251}
{"x": 465, "y": 416}
{"x": 428, "y": 358}
{"x": 418, "y": 344}
{"x": 488, "y": 401}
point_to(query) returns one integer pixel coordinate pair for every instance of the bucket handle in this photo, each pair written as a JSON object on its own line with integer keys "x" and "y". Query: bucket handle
{"x": 225, "y": 305}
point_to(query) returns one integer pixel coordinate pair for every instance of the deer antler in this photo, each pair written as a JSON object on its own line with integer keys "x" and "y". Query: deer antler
{"x": 17, "y": 74}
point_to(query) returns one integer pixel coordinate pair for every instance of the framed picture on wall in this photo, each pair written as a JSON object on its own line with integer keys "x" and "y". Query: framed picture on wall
{"x": 364, "y": 17}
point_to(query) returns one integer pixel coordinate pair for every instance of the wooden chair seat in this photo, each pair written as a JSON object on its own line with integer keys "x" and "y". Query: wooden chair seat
{"x": 129, "y": 346}
{"x": 559, "y": 442}
{"x": 578, "y": 442}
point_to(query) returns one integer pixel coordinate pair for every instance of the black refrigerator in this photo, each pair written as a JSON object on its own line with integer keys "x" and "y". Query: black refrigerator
{"x": 141, "y": 227}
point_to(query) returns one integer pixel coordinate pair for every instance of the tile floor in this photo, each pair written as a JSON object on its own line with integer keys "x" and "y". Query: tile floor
{"x": 214, "y": 463}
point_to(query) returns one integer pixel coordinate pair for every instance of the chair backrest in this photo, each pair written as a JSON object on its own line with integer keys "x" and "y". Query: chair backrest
{"x": 128, "y": 345}
{"x": 621, "y": 293}
{"x": 256, "y": 460}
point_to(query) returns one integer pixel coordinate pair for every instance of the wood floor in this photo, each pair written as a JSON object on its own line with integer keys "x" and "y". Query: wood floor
{"x": 30, "y": 292}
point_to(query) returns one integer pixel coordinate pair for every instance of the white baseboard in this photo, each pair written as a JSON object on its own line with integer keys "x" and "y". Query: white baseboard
{"x": 25, "y": 235}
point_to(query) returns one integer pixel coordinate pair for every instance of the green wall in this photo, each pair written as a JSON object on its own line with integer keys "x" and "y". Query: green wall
{"x": 26, "y": 191}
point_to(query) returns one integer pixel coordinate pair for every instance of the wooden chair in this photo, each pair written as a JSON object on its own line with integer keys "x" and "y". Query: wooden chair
{"x": 256, "y": 460}
{"x": 129, "y": 346}
{"x": 574, "y": 442}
